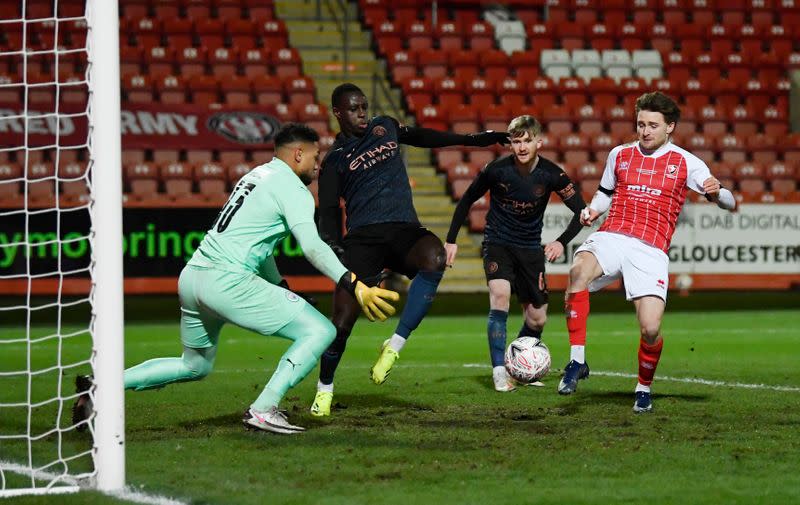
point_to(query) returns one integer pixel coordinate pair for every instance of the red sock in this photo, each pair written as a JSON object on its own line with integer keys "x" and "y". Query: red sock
{"x": 576, "y": 308}
{"x": 648, "y": 360}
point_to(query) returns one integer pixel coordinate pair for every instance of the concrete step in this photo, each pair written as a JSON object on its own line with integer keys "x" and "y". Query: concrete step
{"x": 328, "y": 55}
{"x": 356, "y": 70}
{"x": 308, "y": 10}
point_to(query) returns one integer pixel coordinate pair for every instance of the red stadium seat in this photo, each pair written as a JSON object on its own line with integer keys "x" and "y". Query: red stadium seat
{"x": 229, "y": 10}
{"x": 573, "y": 92}
{"x": 458, "y": 187}
{"x": 449, "y": 91}
{"x": 315, "y": 116}
{"x": 146, "y": 31}
{"x": 495, "y": 117}
{"x": 255, "y": 62}
{"x": 286, "y": 62}
{"x": 272, "y": 32}
{"x": 166, "y": 9}
{"x": 211, "y": 181}
{"x": 446, "y": 158}
{"x": 713, "y": 120}
{"x": 590, "y": 120}
{"x": 419, "y": 36}
{"x": 159, "y": 60}
{"x": 130, "y": 60}
{"x": 572, "y": 35}
{"x": 268, "y": 89}
{"x": 464, "y": 119}
{"x": 178, "y": 32}
{"x": 133, "y": 9}
{"x": 511, "y": 91}
{"x": 210, "y": 32}
{"x": 433, "y": 63}
{"x": 171, "y": 89}
{"x": 10, "y": 190}
{"x": 477, "y": 220}
{"x": 204, "y": 90}
{"x": 197, "y": 9}
{"x": 620, "y": 121}
{"x": 236, "y": 90}
{"x": 480, "y": 92}
{"x": 191, "y": 61}
{"x": 574, "y": 148}
{"x": 177, "y": 178}
{"x": 732, "y": 149}
{"x": 242, "y": 33}
{"x": 433, "y": 117}
{"x": 601, "y": 36}
{"x": 450, "y": 35}
{"x": 543, "y": 92}
{"x": 480, "y": 156}
{"x": 223, "y": 61}
{"x": 480, "y": 36}
{"x": 259, "y": 9}
{"x": 677, "y": 67}
{"x": 495, "y": 64}
{"x": 557, "y": 119}
{"x": 142, "y": 180}
{"x": 137, "y": 88}
{"x": 300, "y": 90}
{"x": 661, "y": 38}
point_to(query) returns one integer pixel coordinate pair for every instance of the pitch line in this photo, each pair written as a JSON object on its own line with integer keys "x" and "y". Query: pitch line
{"x": 685, "y": 380}
{"x": 126, "y": 494}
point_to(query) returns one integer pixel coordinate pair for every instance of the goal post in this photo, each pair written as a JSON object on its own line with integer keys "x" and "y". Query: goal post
{"x": 61, "y": 248}
{"x": 106, "y": 193}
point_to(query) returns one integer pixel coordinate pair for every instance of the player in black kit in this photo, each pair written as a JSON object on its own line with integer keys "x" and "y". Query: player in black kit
{"x": 513, "y": 255}
{"x": 365, "y": 168}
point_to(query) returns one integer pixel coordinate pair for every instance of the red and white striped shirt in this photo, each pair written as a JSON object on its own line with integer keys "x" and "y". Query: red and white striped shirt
{"x": 649, "y": 190}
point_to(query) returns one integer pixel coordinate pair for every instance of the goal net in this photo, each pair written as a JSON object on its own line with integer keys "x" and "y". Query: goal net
{"x": 60, "y": 246}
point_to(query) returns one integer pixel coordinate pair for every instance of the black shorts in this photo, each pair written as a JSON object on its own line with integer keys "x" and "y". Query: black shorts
{"x": 523, "y": 268}
{"x": 370, "y": 249}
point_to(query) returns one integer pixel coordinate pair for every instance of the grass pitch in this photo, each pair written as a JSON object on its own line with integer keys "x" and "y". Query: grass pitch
{"x": 724, "y": 429}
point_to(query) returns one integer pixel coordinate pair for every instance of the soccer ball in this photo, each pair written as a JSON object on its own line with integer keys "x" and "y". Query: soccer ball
{"x": 527, "y": 359}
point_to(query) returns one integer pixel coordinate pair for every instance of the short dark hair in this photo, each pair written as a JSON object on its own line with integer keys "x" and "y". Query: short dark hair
{"x": 659, "y": 102}
{"x": 343, "y": 89}
{"x": 294, "y": 132}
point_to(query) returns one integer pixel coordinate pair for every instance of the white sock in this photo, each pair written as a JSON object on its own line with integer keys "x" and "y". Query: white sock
{"x": 325, "y": 388}
{"x": 642, "y": 387}
{"x": 577, "y": 353}
{"x": 499, "y": 370}
{"x": 397, "y": 342}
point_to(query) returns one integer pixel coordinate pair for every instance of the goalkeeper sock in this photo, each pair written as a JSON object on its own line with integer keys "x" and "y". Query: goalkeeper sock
{"x": 420, "y": 297}
{"x": 648, "y": 360}
{"x": 576, "y": 308}
{"x": 496, "y": 331}
{"x": 157, "y": 373}
{"x": 527, "y": 331}
{"x": 311, "y": 333}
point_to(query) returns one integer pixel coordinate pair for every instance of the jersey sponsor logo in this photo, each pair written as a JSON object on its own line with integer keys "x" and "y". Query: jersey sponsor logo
{"x": 292, "y": 297}
{"x": 643, "y": 188}
{"x": 661, "y": 284}
{"x": 379, "y": 131}
{"x": 244, "y": 127}
{"x": 373, "y": 156}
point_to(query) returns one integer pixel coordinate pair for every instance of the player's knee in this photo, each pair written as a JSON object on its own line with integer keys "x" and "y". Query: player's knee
{"x": 579, "y": 277}
{"x": 434, "y": 259}
{"x": 649, "y": 331}
{"x": 339, "y": 340}
{"x": 537, "y": 321}
{"x": 200, "y": 368}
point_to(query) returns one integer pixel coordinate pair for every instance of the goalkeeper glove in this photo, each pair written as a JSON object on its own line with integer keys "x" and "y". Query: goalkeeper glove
{"x": 372, "y": 299}
{"x": 489, "y": 137}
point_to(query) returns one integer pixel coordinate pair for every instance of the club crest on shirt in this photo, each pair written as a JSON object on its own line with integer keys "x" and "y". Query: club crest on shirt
{"x": 292, "y": 297}
{"x": 624, "y": 165}
{"x": 672, "y": 171}
{"x": 379, "y": 131}
{"x": 538, "y": 190}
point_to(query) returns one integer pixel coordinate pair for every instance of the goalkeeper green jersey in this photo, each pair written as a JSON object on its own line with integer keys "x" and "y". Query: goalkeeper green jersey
{"x": 262, "y": 210}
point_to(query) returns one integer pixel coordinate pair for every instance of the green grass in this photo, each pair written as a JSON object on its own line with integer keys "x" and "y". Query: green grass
{"x": 437, "y": 432}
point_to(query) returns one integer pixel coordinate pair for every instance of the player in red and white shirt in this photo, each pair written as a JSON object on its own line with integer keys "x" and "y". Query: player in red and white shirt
{"x": 643, "y": 187}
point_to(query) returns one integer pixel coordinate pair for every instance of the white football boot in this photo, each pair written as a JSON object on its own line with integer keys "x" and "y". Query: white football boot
{"x": 502, "y": 381}
{"x": 272, "y": 420}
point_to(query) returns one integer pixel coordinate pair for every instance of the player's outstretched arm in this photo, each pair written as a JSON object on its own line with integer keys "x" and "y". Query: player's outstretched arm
{"x": 426, "y": 137}
{"x": 478, "y": 188}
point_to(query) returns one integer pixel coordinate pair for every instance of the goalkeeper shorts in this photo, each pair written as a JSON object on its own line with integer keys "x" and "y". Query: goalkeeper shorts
{"x": 210, "y": 298}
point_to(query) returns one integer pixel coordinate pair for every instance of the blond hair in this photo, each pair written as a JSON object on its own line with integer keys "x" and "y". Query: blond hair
{"x": 521, "y": 125}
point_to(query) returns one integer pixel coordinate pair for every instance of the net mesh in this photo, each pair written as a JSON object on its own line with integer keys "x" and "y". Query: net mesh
{"x": 45, "y": 245}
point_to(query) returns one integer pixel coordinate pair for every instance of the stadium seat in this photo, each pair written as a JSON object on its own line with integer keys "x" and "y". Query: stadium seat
{"x": 146, "y": 32}
{"x": 432, "y": 116}
{"x": 477, "y": 220}
{"x": 272, "y": 33}
{"x": 586, "y": 64}
{"x": 268, "y": 89}
{"x": 137, "y": 88}
{"x": 601, "y": 36}
{"x": 495, "y": 117}
{"x": 480, "y": 92}
{"x": 495, "y": 63}
{"x": 211, "y": 181}
{"x": 541, "y": 36}
{"x": 511, "y": 91}
{"x": 574, "y": 148}
{"x": 775, "y": 121}
{"x": 590, "y": 121}
{"x": 660, "y": 37}
{"x": 464, "y": 119}
{"x": 449, "y": 91}
{"x": 223, "y": 61}
{"x": 573, "y": 92}
{"x": 458, "y": 187}
{"x": 419, "y": 36}
{"x": 732, "y": 149}
{"x": 241, "y": 33}
{"x": 543, "y": 92}
{"x": 204, "y": 90}
{"x": 432, "y": 63}
{"x": 10, "y": 191}
{"x": 142, "y": 179}
{"x": 210, "y": 32}
{"x": 480, "y": 36}
{"x": 286, "y": 62}
{"x": 74, "y": 185}
{"x": 130, "y": 60}
{"x": 259, "y": 9}
{"x": 314, "y": 115}
{"x": 229, "y": 10}
{"x": 446, "y": 158}
{"x": 177, "y": 179}
{"x": 164, "y": 9}
{"x": 300, "y": 90}
{"x": 178, "y": 32}
{"x": 191, "y": 61}
{"x": 133, "y": 9}
{"x": 171, "y": 89}
{"x": 510, "y": 36}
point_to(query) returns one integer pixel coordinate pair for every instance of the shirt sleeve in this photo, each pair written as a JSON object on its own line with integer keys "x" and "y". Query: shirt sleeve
{"x": 696, "y": 173}
{"x": 609, "y": 178}
{"x": 329, "y": 225}
{"x": 317, "y": 252}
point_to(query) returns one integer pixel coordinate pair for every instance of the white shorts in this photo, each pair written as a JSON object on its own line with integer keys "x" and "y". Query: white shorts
{"x": 643, "y": 268}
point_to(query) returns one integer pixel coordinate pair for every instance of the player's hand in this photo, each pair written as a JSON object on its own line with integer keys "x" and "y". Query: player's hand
{"x": 373, "y": 300}
{"x": 711, "y": 186}
{"x": 450, "y": 251}
{"x": 489, "y": 137}
{"x": 589, "y": 216}
{"x": 553, "y": 250}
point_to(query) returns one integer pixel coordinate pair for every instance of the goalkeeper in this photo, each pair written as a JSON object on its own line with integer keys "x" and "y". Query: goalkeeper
{"x": 232, "y": 277}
